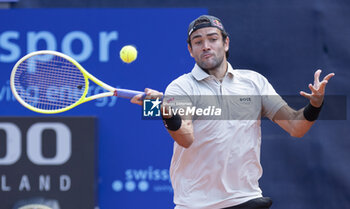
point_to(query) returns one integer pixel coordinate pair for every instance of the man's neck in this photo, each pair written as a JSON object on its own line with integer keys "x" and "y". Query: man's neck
{"x": 220, "y": 71}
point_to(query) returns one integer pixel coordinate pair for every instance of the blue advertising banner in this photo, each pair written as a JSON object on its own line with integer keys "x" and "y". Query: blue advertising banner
{"x": 134, "y": 154}
{"x": 48, "y": 161}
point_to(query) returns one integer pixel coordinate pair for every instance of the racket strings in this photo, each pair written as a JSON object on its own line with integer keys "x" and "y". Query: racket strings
{"x": 49, "y": 82}
{"x": 66, "y": 79}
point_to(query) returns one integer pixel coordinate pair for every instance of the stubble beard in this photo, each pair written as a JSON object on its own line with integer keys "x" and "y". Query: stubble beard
{"x": 211, "y": 65}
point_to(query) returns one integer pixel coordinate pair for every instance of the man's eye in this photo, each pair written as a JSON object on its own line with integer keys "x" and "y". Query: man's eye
{"x": 197, "y": 42}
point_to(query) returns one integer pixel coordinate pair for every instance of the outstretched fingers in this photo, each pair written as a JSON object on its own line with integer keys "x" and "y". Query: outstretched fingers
{"x": 317, "y": 77}
{"x": 313, "y": 88}
{"x": 322, "y": 88}
{"x": 329, "y": 76}
{"x": 306, "y": 95}
{"x": 317, "y": 89}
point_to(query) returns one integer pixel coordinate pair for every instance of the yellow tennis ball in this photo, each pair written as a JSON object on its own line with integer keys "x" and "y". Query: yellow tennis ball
{"x": 128, "y": 54}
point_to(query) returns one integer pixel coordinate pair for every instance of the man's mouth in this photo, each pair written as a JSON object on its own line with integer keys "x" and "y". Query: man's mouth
{"x": 206, "y": 55}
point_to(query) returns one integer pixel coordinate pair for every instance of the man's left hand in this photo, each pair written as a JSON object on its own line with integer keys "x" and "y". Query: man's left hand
{"x": 317, "y": 89}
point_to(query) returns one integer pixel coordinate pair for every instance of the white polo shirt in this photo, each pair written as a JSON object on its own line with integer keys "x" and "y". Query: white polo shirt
{"x": 222, "y": 166}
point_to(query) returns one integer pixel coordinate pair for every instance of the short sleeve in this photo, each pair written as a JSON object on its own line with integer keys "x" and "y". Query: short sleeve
{"x": 179, "y": 94}
{"x": 271, "y": 101}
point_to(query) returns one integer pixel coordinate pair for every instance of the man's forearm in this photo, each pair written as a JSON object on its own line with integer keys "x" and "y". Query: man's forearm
{"x": 184, "y": 135}
{"x": 293, "y": 121}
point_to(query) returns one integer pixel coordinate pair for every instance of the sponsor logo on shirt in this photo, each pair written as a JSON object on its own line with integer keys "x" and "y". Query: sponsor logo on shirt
{"x": 245, "y": 100}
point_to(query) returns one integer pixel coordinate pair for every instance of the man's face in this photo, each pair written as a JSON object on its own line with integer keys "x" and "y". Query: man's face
{"x": 208, "y": 49}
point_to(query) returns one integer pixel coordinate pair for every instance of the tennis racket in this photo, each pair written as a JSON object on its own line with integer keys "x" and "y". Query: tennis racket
{"x": 51, "y": 82}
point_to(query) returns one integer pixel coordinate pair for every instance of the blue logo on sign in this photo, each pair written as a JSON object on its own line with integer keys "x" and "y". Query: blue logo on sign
{"x": 144, "y": 180}
{"x": 151, "y": 108}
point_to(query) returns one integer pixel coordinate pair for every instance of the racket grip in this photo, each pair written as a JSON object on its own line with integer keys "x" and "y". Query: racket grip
{"x": 128, "y": 94}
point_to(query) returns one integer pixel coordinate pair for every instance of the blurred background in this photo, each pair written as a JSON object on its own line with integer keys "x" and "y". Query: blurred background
{"x": 114, "y": 158}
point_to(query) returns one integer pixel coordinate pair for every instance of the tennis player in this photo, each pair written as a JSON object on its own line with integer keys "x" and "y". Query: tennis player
{"x": 216, "y": 163}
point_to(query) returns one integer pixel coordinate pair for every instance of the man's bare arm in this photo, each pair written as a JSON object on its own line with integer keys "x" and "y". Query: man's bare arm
{"x": 294, "y": 122}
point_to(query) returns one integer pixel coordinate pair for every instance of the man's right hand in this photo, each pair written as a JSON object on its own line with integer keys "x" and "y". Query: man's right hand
{"x": 149, "y": 94}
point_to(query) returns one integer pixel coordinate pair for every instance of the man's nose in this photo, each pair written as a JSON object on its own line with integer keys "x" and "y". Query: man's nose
{"x": 206, "y": 46}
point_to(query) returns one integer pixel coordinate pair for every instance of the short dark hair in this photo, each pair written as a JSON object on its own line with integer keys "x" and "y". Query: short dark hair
{"x": 206, "y": 21}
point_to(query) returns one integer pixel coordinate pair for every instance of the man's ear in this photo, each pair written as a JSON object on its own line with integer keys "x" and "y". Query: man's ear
{"x": 189, "y": 49}
{"x": 227, "y": 44}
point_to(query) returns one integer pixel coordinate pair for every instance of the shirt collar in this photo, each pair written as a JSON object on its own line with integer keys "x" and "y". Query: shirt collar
{"x": 199, "y": 74}
{"x": 230, "y": 70}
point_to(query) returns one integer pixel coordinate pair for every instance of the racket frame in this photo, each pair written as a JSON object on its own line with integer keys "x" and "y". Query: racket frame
{"x": 87, "y": 76}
